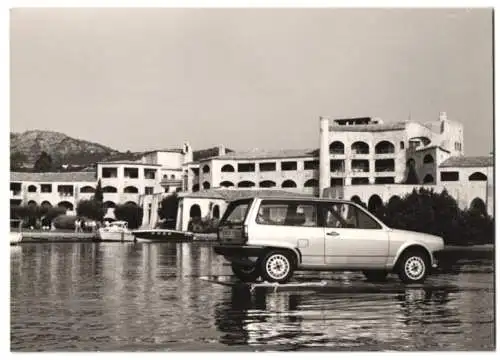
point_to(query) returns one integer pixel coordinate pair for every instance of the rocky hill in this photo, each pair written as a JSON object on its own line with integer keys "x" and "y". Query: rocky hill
{"x": 26, "y": 147}
{"x": 62, "y": 148}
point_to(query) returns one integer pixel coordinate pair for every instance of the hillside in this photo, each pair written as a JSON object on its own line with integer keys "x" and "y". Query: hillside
{"x": 26, "y": 147}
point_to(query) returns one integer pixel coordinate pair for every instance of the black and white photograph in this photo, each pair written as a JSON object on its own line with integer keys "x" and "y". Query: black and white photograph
{"x": 251, "y": 179}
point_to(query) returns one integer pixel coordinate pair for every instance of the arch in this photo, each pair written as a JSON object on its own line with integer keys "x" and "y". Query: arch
{"x": 131, "y": 203}
{"x": 66, "y": 204}
{"x": 109, "y": 189}
{"x": 428, "y": 159}
{"x": 267, "y": 184}
{"x": 172, "y": 176}
{"x": 226, "y": 184}
{"x": 46, "y": 204}
{"x": 131, "y": 190}
{"x": 360, "y": 147}
{"x": 196, "y": 187}
{"x": 227, "y": 168}
{"x": 428, "y": 179}
{"x": 478, "y": 206}
{"x": 32, "y": 188}
{"x": 311, "y": 183}
{"x": 205, "y": 169}
{"x": 109, "y": 204}
{"x": 246, "y": 184}
{"x": 32, "y": 203}
{"x": 478, "y": 176}
{"x": 394, "y": 198}
{"x": 206, "y": 185}
{"x": 356, "y": 199}
{"x": 337, "y": 147}
{"x": 87, "y": 189}
{"x": 216, "y": 212}
{"x": 195, "y": 211}
{"x": 289, "y": 184}
{"x": 374, "y": 203}
{"x": 384, "y": 147}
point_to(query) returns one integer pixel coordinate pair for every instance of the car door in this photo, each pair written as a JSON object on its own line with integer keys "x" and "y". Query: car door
{"x": 353, "y": 238}
{"x": 294, "y": 223}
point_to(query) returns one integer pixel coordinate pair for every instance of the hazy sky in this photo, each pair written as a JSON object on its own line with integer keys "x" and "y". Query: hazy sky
{"x": 141, "y": 79}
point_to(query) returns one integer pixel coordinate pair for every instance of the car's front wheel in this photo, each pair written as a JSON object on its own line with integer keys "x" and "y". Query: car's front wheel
{"x": 375, "y": 275}
{"x": 245, "y": 273}
{"x": 277, "y": 266}
{"x": 413, "y": 267}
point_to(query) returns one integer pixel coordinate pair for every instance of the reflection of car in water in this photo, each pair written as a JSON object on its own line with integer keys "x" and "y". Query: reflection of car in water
{"x": 272, "y": 237}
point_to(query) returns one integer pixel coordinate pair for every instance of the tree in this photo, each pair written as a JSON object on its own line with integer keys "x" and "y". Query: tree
{"x": 90, "y": 209}
{"x": 98, "y": 194}
{"x": 168, "y": 207}
{"x": 130, "y": 213}
{"x": 16, "y": 160}
{"x": 43, "y": 163}
{"x": 412, "y": 177}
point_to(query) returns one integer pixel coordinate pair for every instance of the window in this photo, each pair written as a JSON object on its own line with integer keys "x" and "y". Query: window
{"x": 384, "y": 180}
{"x": 287, "y": 213}
{"x": 385, "y": 165}
{"x": 32, "y": 188}
{"x": 402, "y": 145}
{"x": 227, "y": 168}
{"x": 149, "y": 190}
{"x": 206, "y": 169}
{"x": 311, "y": 165}
{"x": 449, "y": 176}
{"x": 236, "y": 212}
{"x": 288, "y": 166}
{"x": 360, "y": 181}
{"x": 46, "y": 188}
{"x": 360, "y": 166}
{"x": 337, "y": 165}
{"x": 341, "y": 215}
{"x": 65, "y": 190}
{"x": 131, "y": 173}
{"x": 246, "y": 167}
{"x": 150, "y": 174}
{"x": 108, "y": 172}
{"x": 428, "y": 159}
{"x": 269, "y": 166}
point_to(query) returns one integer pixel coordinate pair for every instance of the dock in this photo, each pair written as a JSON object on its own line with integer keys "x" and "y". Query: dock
{"x": 58, "y": 236}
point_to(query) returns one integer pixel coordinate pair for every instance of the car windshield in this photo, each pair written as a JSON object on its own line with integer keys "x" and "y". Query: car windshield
{"x": 236, "y": 212}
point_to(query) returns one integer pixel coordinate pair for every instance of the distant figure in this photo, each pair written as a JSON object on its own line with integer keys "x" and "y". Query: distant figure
{"x": 78, "y": 225}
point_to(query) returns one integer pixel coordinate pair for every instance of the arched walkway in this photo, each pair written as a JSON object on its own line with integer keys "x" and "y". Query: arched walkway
{"x": 195, "y": 211}
{"x": 428, "y": 179}
{"x": 478, "y": 205}
{"x": 311, "y": 183}
{"x": 66, "y": 204}
{"x": 246, "y": 184}
{"x": 87, "y": 189}
{"x": 226, "y": 184}
{"x": 374, "y": 203}
{"x": 109, "y": 189}
{"x": 267, "y": 184}
{"x": 288, "y": 184}
{"x": 131, "y": 190}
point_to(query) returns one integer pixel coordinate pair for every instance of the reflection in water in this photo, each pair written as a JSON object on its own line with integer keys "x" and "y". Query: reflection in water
{"x": 150, "y": 297}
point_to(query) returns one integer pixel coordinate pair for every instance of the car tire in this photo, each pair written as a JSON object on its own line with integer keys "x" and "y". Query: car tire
{"x": 245, "y": 273}
{"x": 375, "y": 275}
{"x": 413, "y": 267}
{"x": 277, "y": 266}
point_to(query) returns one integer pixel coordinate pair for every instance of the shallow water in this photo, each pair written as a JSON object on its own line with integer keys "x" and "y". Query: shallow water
{"x": 149, "y": 297}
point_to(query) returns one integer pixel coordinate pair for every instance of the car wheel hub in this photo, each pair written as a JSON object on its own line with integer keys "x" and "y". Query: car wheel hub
{"x": 415, "y": 267}
{"x": 278, "y": 266}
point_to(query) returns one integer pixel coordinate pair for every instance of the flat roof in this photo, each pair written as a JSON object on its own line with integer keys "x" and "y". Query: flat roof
{"x": 76, "y": 176}
{"x": 126, "y": 162}
{"x": 258, "y": 154}
{"x": 401, "y": 125}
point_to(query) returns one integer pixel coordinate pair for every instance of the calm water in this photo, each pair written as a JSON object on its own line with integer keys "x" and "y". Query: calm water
{"x": 149, "y": 297}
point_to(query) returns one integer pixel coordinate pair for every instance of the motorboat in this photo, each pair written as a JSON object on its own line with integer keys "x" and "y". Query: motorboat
{"x": 116, "y": 231}
{"x": 15, "y": 238}
{"x": 161, "y": 235}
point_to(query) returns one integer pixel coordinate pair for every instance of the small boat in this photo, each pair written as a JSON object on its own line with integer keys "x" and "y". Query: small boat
{"x": 15, "y": 238}
{"x": 116, "y": 231}
{"x": 161, "y": 235}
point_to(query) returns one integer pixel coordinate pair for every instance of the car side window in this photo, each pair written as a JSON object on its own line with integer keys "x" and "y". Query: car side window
{"x": 343, "y": 215}
{"x": 287, "y": 213}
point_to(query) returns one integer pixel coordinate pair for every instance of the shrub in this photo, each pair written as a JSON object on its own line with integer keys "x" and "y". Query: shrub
{"x": 65, "y": 222}
{"x": 168, "y": 208}
{"x": 438, "y": 214}
{"x": 91, "y": 209}
{"x": 130, "y": 213}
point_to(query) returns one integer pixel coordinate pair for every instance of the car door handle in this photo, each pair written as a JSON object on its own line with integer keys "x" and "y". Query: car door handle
{"x": 332, "y": 233}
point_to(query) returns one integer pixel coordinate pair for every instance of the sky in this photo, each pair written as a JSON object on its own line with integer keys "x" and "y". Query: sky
{"x": 143, "y": 79}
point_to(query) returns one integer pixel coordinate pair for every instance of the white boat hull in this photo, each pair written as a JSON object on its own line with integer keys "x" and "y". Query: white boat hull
{"x": 15, "y": 238}
{"x": 116, "y": 236}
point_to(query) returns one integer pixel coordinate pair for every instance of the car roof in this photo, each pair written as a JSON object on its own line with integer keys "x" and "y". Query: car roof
{"x": 295, "y": 198}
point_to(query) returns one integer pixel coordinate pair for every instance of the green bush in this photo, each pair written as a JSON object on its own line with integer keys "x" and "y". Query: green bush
{"x": 438, "y": 214}
{"x": 130, "y": 213}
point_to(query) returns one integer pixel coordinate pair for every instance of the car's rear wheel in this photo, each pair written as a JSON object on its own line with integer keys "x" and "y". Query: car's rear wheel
{"x": 375, "y": 275}
{"x": 413, "y": 267}
{"x": 245, "y": 273}
{"x": 277, "y": 266}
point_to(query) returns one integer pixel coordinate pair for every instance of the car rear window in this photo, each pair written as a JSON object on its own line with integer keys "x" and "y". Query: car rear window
{"x": 236, "y": 212}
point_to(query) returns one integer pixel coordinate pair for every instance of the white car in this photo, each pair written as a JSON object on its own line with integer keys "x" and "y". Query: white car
{"x": 271, "y": 237}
